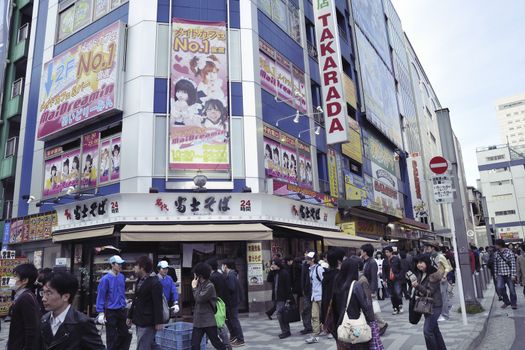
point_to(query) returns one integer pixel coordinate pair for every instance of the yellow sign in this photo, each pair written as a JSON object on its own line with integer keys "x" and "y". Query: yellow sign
{"x": 349, "y": 89}
{"x": 254, "y": 253}
{"x": 353, "y": 148}
{"x": 332, "y": 173}
{"x": 353, "y": 192}
{"x": 348, "y": 228}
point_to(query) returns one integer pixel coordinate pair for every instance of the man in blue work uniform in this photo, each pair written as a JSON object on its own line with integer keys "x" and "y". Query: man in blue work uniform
{"x": 111, "y": 306}
{"x": 168, "y": 286}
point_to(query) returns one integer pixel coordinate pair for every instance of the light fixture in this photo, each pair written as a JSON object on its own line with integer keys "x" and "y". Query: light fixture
{"x": 297, "y": 94}
{"x": 200, "y": 181}
{"x": 295, "y": 117}
{"x": 153, "y": 190}
{"x": 70, "y": 190}
{"x": 317, "y": 130}
{"x": 30, "y": 199}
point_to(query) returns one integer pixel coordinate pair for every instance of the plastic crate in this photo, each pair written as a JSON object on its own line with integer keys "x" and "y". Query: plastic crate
{"x": 177, "y": 336}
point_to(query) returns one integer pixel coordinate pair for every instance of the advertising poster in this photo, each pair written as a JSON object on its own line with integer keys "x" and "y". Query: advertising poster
{"x": 385, "y": 191}
{"x": 332, "y": 173}
{"x": 272, "y": 158}
{"x": 115, "y": 158}
{"x": 298, "y": 85}
{"x": 418, "y": 192}
{"x": 354, "y": 187}
{"x": 380, "y": 154}
{"x": 379, "y": 91}
{"x": 101, "y": 7}
{"x": 265, "y": 6}
{"x": 303, "y": 194}
{"x": 89, "y": 160}
{"x": 7, "y": 232}
{"x": 283, "y": 72}
{"x": 289, "y": 164}
{"x": 52, "y": 173}
{"x": 70, "y": 168}
{"x": 82, "y": 12}
{"x": 6, "y": 271}
{"x": 353, "y": 149}
{"x": 200, "y": 123}
{"x": 267, "y": 73}
{"x": 81, "y": 83}
{"x": 304, "y": 172}
{"x": 255, "y": 274}
{"x": 105, "y": 161}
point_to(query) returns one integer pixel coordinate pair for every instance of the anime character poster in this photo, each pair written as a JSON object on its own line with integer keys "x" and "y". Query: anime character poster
{"x": 289, "y": 165}
{"x": 200, "y": 122}
{"x": 105, "y": 161}
{"x": 70, "y": 169}
{"x": 52, "y": 176}
{"x": 90, "y": 150}
{"x": 272, "y": 158}
{"x": 115, "y": 158}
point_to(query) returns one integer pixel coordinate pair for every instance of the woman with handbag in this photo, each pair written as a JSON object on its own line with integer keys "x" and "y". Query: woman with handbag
{"x": 351, "y": 309}
{"x": 427, "y": 300}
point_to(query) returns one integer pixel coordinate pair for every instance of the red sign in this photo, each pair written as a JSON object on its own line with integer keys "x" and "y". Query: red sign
{"x": 438, "y": 165}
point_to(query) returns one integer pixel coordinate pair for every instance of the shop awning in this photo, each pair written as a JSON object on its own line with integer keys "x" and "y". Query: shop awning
{"x": 80, "y": 234}
{"x": 196, "y": 233}
{"x": 335, "y": 238}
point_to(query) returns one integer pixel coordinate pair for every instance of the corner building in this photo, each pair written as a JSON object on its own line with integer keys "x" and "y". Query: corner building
{"x": 189, "y": 129}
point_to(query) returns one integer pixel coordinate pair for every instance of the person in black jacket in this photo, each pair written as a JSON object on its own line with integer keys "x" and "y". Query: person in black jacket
{"x": 335, "y": 258}
{"x": 359, "y": 301}
{"x": 64, "y": 328}
{"x": 221, "y": 289}
{"x": 406, "y": 265}
{"x": 232, "y": 311}
{"x": 306, "y": 288}
{"x": 281, "y": 293}
{"x": 24, "y": 329}
{"x": 393, "y": 273}
{"x": 146, "y": 309}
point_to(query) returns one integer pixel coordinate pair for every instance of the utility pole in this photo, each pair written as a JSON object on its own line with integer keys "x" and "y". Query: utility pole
{"x": 456, "y": 208}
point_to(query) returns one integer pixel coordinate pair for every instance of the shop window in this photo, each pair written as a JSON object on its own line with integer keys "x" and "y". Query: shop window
{"x": 74, "y": 15}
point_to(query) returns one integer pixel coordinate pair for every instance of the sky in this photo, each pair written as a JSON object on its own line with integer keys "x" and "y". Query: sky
{"x": 473, "y": 52}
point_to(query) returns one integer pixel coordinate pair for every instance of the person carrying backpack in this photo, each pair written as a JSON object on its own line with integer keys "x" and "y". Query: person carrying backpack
{"x": 316, "y": 279}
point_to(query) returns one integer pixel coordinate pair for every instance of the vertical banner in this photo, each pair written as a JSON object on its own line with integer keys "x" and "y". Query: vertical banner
{"x": 331, "y": 71}
{"x": 332, "y": 173}
{"x": 199, "y": 125}
{"x": 70, "y": 169}
{"x": 105, "y": 161}
{"x": 115, "y": 158}
{"x": 272, "y": 158}
{"x": 52, "y": 181}
{"x": 418, "y": 192}
{"x": 89, "y": 160}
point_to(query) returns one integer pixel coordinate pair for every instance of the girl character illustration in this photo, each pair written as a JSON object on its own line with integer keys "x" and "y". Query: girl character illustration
{"x": 302, "y": 171}
{"x": 115, "y": 159}
{"x": 104, "y": 162}
{"x": 309, "y": 176}
{"x": 210, "y": 86}
{"x": 267, "y": 156}
{"x": 75, "y": 166}
{"x": 53, "y": 180}
{"x": 286, "y": 165}
{"x": 215, "y": 115}
{"x": 65, "y": 170}
{"x": 90, "y": 172}
{"x": 293, "y": 168}
{"x": 182, "y": 104}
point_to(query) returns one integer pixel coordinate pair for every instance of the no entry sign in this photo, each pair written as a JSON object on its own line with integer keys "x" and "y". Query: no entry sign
{"x": 438, "y": 165}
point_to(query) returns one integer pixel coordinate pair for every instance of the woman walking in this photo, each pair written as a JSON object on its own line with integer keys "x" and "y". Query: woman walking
{"x": 359, "y": 302}
{"x": 428, "y": 284}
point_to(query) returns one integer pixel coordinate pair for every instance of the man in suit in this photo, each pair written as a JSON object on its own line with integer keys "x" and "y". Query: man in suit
{"x": 64, "y": 328}
{"x": 146, "y": 310}
{"x": 281, "y": 292}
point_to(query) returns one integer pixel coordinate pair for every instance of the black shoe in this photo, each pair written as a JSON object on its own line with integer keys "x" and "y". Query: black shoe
{"x": 269, "y": 315}
{"x": 382, "y": 330}
{"x": 306, "y": 331}
{"x": 284, "y": 335}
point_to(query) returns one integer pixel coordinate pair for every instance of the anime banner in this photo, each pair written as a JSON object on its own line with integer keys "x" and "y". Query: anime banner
{"x": 272, "y": 158}
{"x": 52, "y": 178}
{"x": 105, "y": 161}
{"x": 199, "y": 125}
{"x": 70, "y": 169}
{"x": 89, "y": 160}
{"x": 115, "y": 158}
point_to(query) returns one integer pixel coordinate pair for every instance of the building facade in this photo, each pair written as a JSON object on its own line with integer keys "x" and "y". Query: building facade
{"x": 511, "y": 116}
{"x": 502, "y": 179}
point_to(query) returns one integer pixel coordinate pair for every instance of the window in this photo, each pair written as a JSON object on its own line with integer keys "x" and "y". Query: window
{"x": 76, "y": 14}
{"x": 505, "y": 212}
{"x": 285, "y": 14}
{"x": 497, "y": 157}
{"x": 23, "y": 33}
{"x": 500, "y": 183}
{"x": 501, "y": 197}
{"x": 10, "y": 147}
{"x": 17, "y": 87}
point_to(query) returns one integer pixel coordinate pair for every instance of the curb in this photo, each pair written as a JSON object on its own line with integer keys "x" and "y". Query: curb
{"x": 477, "y": 340}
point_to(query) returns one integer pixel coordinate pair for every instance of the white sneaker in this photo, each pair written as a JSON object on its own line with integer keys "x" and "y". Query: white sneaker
{"x": 312, "y": 340}
{"x": 395, "y": 312}
{"x": 441, "y": 319}
{"x": 323, "y": 334}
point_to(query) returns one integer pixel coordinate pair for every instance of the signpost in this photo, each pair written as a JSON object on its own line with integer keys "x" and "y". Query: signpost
{"x": 438, "y": 165}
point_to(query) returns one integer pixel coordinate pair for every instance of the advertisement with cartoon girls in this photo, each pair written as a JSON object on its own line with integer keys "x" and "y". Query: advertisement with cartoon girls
{"x": 89, "y": 164}
{"x": 200, "y": 122}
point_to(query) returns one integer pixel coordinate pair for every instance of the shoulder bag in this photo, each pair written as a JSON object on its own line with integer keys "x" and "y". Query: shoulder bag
{"x": 423, "y": 305}
{"x": 353, "y": 331}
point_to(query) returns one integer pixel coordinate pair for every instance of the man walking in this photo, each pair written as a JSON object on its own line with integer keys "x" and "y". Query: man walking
{"x": 146, "y": 309}
{"x": 281, "y": 293}
{"x": 440, "y": 262}
{"x": 316, "y": 279}
{"x": 111, "y": 306}
{"x": 306, "y": 288}
{"x": 168, "y": 286}
{"x": 393, "y": 273}
{"x": 370, "y": 272}
{"x": 221, "y": 289}
{"x": 64, "y": 328}
{"x": 232, "y": 310}
{"x": 505, "y": 271}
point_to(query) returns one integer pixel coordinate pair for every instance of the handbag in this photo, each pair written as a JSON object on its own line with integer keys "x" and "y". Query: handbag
{"x": 353, "y": 331}
{"x": 424, "y": 305}
{"x": 413, "y": 317}
{"x": 376, "y": 306}
{"x": 291, "y": 312}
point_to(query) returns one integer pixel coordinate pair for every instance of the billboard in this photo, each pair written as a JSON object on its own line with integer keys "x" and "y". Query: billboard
{"x": 90, "y": 144}
{"x": 331, "y": 71}
{"x": 379, "y": 91}
{"x": 385, "y": 189}
{"x": 418, "y": 192}
{"x": 82, "y": 83}
{"x": 200, "y": 121}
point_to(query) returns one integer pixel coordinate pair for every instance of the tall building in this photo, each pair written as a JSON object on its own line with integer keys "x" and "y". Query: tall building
{"x": 502, "y": 179}
{"x": 511, "y": 116}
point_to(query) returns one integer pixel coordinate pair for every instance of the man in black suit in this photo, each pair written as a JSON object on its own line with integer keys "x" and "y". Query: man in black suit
{"x": 281, "y": 293}
{"x": 64, "y": 328}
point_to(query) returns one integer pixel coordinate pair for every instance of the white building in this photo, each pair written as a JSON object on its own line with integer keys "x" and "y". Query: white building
{"x": 511, "y": 116}
{"x": 502, "y": 179}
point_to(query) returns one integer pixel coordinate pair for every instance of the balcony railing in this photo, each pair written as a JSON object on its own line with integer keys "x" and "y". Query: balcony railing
{"x": 312, "y": 50}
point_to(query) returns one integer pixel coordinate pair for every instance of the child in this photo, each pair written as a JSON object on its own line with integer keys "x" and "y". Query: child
{"x": 210, "y": 85}
{"x": 184, "y": 97}
{"x": 214, "y": 115}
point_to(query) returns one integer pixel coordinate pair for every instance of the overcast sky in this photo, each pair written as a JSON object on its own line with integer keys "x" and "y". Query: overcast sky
{"x": 473, "y": 52}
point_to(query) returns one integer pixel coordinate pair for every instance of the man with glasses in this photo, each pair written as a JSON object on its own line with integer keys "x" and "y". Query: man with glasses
{"x": 111, "y": 306}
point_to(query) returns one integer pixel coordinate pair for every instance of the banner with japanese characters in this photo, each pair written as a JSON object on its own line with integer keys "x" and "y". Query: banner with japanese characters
{"x": 200, "y": 121}
{"x": 70, "y": 169}
{"x": 272, "y": 158}
{"x": 52, "y": 181}
{"x": 82, "y": 83}
{"x": 115, "y": 158}
{"x": 109, "y": 169}
{"x": 90, "y": 151}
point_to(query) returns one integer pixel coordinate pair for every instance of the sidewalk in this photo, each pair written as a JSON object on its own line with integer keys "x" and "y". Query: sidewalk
{"x": 261, "y": 333}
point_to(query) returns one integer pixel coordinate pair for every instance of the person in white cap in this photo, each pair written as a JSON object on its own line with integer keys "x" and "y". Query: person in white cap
{"x": 111, "y": 306}
{"x": 168, "y": 286}
{"x": 316, "y": 279}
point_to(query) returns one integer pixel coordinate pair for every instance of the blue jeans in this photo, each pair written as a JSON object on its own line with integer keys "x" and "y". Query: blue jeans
{"x": 433, "y": 338}
{"x": 146, "y": 338}
{"x": 396, "y": 294}
{"x": 501, "y": 281}
{"x": 232, "y": 321}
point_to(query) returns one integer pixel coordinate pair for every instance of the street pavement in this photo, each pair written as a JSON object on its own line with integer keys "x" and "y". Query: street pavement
{"x": 262, "y": 333}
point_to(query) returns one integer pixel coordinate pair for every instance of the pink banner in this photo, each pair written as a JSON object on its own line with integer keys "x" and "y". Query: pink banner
{"x": 289, "y": 164}
{"x": 105, "y": 161}
{"x": 70, "y": 169}
{"x": 115, "y": 158}
{"x": 267, "y": 73}
{"x": 272, "y": 158}
{"x": 52, "y": 182}
{"x": 90, "y": 144}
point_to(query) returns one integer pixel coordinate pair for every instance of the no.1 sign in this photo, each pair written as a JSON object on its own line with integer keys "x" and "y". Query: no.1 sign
{"x": 438, "y": 165}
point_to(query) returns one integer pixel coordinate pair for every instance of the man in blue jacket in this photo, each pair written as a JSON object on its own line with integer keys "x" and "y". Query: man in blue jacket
{"x": 168, "y": 286}
{"x": 111, "y": 306}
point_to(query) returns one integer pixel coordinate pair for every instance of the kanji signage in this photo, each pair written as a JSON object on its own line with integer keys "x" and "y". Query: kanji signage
{"x": 443, "y": 191}
{"x": 198, "y": 205}
{"x": 88, "y": 210}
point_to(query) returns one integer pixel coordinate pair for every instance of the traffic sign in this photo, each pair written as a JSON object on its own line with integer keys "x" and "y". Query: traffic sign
{"x": 438, "y": 165}
{"x": 443, "y": 190}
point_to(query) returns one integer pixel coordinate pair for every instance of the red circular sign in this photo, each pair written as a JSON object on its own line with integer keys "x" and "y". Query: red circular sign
{"x": 438, "y": 165}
